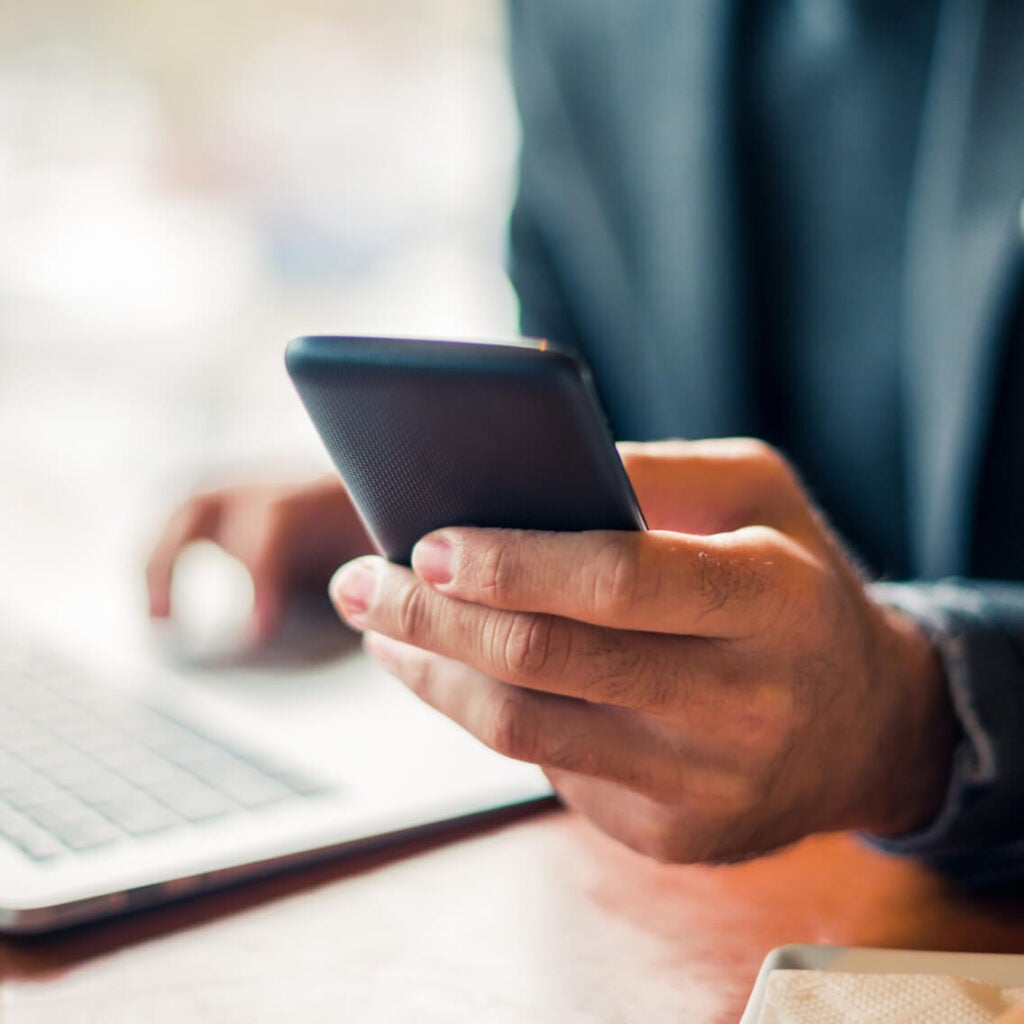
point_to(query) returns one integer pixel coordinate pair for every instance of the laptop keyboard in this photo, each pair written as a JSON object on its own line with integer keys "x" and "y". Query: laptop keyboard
{"x": 82, "y": 767}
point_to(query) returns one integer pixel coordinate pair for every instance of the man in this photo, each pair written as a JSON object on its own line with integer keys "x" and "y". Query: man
{"x": 794, "y": 220}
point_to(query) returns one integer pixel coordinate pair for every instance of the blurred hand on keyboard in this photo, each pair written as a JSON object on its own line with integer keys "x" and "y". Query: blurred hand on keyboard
{"x": 290, "y": 537}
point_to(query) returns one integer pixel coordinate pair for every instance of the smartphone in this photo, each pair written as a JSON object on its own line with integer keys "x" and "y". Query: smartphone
{"x": 427, "y": 434}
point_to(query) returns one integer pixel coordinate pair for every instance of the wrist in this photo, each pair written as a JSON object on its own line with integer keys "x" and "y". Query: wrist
{"x": 918, "y": 733}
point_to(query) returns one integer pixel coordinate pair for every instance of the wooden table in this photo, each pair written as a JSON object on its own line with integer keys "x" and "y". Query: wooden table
{"x": 539, "y": 920}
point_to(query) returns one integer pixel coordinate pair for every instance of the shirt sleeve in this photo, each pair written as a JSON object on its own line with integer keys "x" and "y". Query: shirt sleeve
{"x": 978, "y": 631}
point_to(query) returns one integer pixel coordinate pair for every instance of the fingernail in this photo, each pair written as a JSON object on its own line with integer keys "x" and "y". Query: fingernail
{"x": 352, "y": 589}
{"x": 433, "y": 559}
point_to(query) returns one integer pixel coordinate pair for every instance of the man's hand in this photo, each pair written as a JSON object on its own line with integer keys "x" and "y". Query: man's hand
{"x": 708, "y": 690}
{"x": 287, "y": 536}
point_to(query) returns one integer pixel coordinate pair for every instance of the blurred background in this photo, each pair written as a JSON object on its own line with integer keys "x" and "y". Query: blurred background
{"x": 184, "y": 186}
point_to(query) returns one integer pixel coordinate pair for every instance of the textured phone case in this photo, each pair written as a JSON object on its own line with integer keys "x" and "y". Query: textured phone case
{"x": 428, "y": 434}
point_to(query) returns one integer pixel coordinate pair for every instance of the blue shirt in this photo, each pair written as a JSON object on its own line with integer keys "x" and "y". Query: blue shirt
{"x": 830, "y": 96}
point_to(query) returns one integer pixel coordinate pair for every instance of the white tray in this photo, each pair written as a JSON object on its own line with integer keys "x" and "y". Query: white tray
{"x": 1001, "y": 969}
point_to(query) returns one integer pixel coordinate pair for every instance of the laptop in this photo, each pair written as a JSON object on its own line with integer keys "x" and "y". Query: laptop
{"x": 124, "y": 790}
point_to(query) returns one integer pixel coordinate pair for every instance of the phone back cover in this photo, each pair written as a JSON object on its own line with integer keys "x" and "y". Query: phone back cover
{"x": 431, "y": 434}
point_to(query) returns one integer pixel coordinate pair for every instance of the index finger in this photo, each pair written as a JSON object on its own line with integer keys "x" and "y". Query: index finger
{"x": 722, "y": 586}
{"x": 195, "y": 520}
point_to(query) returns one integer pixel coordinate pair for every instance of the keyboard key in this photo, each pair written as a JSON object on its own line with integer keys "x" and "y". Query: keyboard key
{"x": 94, "y": 738}
{"x": 75, "y": 826}
{"x": 297, "y": 782}
{"x": 138, "y": 815}
{"x": 192, "y": 799}
{"x": 32, "y": 791}
{"x": 24, "y": 739}
{"x": 105, "y": 787}
{"x": 27, "y": 836}
{"x": 15, "y": 774}
{"x": 240, "y": 781}
{"x": 39, "y": 845}
{"x": 70, "y": 768}
{"x": 181, "y": 747}
{"x": 143, "y": 767}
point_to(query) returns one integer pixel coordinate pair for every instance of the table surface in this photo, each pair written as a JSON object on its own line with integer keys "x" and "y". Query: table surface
{"x": 542, "y": 919}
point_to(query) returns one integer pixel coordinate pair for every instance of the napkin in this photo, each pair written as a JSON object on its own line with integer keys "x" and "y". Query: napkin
{"x": 826, "y": 997}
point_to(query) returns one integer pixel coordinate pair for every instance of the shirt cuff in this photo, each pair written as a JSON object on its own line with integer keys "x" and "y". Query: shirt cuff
{"x": 939, "y": 610}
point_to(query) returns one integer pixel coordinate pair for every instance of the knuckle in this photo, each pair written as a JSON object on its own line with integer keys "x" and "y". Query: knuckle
{"x": 791, "y": 591}
{"x": 733, "y": 799}
{"x": 662, "y": 690}
{"x": 412, "y": 614}
{"x": 203, "y": 505}
{"x": 202, "y": 500}
{"x": 767, "y": 748}
{"x": 668, "y": 685}
{"x": 730, "y": 576}
{"x": 531, "y": 646}
{"x": 496, "y": 574}
{"x": 620, "y": 672}
{"x": 195, "y": 508}
{"x": 576, "y": 754}
{"x": 616, "y": 579}
{"x": 791, "y": 602}
{"x": 261, "y": 536}
{"x": 752, "y": 571}
{"x": 513, "y": 730}
{"x": 713, "y": 582}
{"x": 278, "y": 517}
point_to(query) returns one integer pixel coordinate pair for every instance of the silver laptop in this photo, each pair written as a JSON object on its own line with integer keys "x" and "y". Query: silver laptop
{"x": 117, "y": 794}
